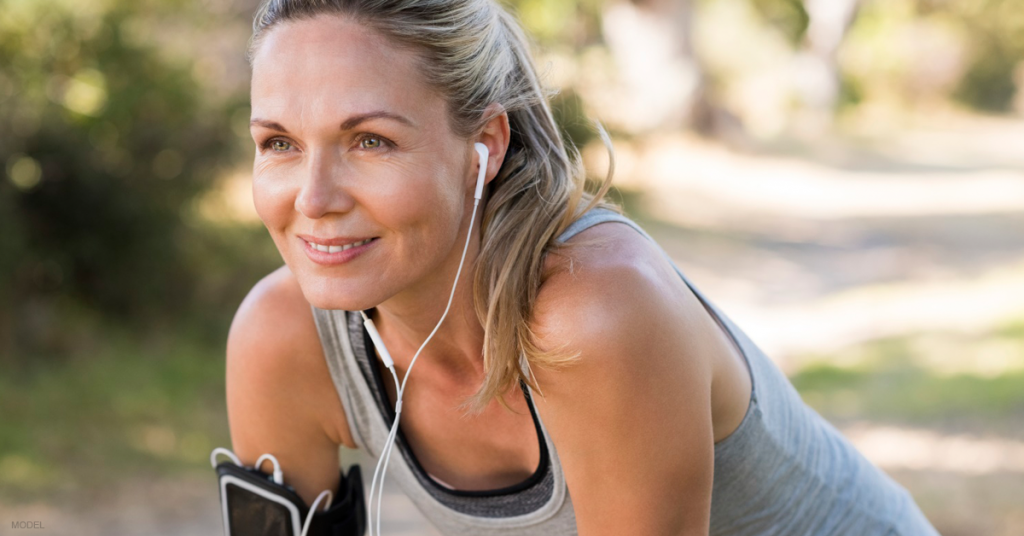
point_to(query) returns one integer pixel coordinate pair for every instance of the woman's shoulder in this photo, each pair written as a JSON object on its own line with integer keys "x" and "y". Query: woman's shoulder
{"x": 273, "y": 342}
{"x": 274, "y": 315}
{"x": 605, "y": 288}
{"x": 278, "y": 288}
{"x": 601, "y": 273}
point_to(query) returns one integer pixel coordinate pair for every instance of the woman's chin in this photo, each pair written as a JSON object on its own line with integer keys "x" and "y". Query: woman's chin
{"x": 325, "y": 293}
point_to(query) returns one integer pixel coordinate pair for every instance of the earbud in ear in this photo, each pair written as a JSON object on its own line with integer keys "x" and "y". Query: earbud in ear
{"x": 482, "y": 151}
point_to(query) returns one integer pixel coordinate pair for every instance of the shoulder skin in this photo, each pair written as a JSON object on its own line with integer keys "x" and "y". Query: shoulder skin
{"x": 631, "y": 416}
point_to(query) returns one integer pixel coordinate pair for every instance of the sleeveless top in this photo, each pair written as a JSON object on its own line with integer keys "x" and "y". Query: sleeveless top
{"x": 783, "y": 471}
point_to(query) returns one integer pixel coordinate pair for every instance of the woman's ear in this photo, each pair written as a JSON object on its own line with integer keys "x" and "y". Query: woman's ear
{"x": 495, "y": 134}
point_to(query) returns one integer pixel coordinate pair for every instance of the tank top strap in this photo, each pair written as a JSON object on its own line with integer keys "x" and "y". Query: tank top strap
{"x": 598, "y": 215}
{"x": 593, "y": 217}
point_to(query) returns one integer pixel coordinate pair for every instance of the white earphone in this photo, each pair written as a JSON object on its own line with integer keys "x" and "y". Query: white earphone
{"x": 481, "y": 150}
{"x": 385, "y": 454}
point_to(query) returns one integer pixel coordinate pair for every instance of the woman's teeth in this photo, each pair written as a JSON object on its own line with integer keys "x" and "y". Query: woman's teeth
{"x": 335, "y": 249}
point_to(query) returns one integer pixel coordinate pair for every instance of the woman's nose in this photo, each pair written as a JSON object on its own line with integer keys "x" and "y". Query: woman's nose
{"x": 324, "y": 189}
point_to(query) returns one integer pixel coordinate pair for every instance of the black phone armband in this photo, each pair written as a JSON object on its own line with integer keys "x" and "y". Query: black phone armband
{"x": 253, "y": 504}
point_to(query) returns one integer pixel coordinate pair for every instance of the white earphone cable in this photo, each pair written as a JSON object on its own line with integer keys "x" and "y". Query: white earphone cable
{"x": 385, "y": 455}
{"x": 389, "y": 444}
{"x": 312, "y": 509}
{"x": 278, "y": 475}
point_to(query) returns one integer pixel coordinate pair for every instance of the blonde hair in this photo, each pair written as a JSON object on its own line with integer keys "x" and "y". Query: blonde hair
{"x": 475, "y": 53}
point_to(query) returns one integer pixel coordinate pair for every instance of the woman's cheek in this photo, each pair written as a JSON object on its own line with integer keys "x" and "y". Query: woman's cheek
{"x": 273, "y": 198}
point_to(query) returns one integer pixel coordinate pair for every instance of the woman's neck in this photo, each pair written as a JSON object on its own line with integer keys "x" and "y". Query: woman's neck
{"x": 407, "y": 319}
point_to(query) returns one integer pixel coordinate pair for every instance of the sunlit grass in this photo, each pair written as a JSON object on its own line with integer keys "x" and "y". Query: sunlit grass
{"x": 888, "y": 380}
{"x": 135, "y": 408}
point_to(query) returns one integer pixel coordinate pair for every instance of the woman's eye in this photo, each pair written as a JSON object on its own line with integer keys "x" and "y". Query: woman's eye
{"x": 276, "y": 144}
{"x": 370, "y": 142}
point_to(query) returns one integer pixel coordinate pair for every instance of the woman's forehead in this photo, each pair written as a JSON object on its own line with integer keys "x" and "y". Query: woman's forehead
{"x": 330, "y": 65}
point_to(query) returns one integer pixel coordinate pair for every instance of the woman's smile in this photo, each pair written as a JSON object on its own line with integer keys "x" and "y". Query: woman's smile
{"x": 333, "y": 251}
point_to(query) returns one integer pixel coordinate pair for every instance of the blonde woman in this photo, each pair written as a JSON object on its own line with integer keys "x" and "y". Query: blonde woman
{"x": 579, "y": 384}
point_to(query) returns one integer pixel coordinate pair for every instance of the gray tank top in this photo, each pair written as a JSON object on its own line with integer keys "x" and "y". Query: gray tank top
{"x": 783, "y": 471}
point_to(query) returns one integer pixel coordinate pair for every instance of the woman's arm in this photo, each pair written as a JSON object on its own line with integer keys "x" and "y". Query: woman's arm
{"x": 631, "y": 418}
{"x": 280, "y": 396}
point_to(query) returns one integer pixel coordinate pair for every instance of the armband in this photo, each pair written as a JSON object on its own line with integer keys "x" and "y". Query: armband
{"x": 253, "y": 504}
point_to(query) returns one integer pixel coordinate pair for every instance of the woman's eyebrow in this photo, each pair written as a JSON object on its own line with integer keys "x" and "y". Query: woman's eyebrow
{"x": 267, "y": 124}
{"x": 351, "y": 122}
{"x": 348, "y": 124}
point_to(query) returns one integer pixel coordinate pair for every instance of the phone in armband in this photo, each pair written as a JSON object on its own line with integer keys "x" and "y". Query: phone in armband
{"x": 254, "y": 503}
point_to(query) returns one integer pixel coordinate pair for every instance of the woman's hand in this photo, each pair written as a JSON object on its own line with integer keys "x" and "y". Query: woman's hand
{"x": 631, "y": 418}
{"x": 281, "y": 399}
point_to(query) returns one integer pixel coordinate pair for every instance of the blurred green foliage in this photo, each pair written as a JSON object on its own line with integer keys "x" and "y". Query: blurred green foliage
{"x": 996, "y": 30}
{"x": 789, "y": 16}
{"x": 560, "y": 23}
{"x": 571, "y": 115}
{"x": 106, "y": 142}
{"x": 989, "y": 83}
{"x": 563, "y": 24}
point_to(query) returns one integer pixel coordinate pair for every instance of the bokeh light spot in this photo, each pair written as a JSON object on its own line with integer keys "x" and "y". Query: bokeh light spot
{"x": 86, "y": 92}
{"x": 24, "y": 172}
{"x": 168, "y": 164}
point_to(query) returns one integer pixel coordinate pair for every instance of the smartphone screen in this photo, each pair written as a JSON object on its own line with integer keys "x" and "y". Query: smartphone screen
{"x": 251, "y": 514}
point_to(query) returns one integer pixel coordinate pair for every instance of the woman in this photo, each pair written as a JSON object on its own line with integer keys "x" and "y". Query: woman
{"x": 576, "y": 361}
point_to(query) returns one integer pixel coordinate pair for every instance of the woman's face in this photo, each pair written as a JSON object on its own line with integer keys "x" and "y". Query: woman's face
{"x": 352, "y": 145}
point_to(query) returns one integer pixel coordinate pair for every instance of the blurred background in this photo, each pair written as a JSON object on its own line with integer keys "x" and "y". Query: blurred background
{"x": 845, "y": 178}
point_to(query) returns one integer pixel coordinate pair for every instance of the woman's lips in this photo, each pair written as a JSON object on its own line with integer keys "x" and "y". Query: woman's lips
{"x": 336, "y": 254}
